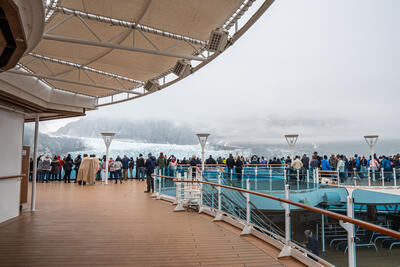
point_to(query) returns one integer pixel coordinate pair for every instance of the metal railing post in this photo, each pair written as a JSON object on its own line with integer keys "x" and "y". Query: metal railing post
{"x": 323, "y": 231}
{"x": 255, "y": 179}
{"x": 286, "y": 250}
{"x": 394, "y": 177}
{"x": 247, "y": 228}
{"x": 349, "y": 227}
{"x": 369, "y": 177}
{"x": 179, "y": 202}
{"x": 159, "y": 187}
{"x": 308, "y": 178}
{"x": 201, "y": 192}
{"x": 383, "y": 178}
{"x": 218, "y": 216}
{"x": 284, "y": 176}
{"x": 298, "y": 179}
{"x": 354, "y": 177}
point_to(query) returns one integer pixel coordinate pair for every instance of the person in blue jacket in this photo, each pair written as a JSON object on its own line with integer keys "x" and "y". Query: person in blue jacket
{"x": 325, "y": 166}
{"x": 125, "y": 167}
{"x": 387, "y": 168}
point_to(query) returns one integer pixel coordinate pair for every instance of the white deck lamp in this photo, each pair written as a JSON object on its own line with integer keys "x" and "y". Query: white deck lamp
{"x": 371, "y": 141}
{"x": 202, "y": 140}
{"x": 107, "y": 137}
{"x": 291, "y": 139}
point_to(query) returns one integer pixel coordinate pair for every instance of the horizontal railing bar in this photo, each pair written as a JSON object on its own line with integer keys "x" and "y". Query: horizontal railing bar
{"x": 12, "y": 176}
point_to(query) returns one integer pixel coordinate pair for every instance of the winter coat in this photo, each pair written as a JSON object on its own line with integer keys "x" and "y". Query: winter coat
{"x": 117, "y": 165}
{"x": 230, "y": 163}
{"x": 325, "y": 166}
{"x": 306, "y": 162}
{"x": 67, "y": 164}
{"x": 125, "y": 162}
{"x": 239, "y": 166}
{"x": 150, "y": 165}
{"x": 315, "y": 164}
{"x": 297, "y": 164}
{"x": 386, "y": 164}
{"x": 333, "y": 162}
{"x": 210, "y": 161}
{"x": 140, "y": 162}
{"x": 161, "y": 162}
{"x": 55, "y": 164}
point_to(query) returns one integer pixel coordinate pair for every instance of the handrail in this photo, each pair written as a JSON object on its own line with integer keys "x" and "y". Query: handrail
{"x": 224, "y": 165}
{"x": 331, "y": 214}
{"x": 12, "y": 176}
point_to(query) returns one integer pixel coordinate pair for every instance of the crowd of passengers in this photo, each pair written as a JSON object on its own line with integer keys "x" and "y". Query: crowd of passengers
{"x": 122, "y": 168}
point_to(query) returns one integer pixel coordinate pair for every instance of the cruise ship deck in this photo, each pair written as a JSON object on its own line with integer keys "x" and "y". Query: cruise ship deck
{"x": 119, "y": 225}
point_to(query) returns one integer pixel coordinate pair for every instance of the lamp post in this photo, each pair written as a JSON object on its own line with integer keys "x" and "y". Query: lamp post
{"x": 291, "y": 139}
{"x": 371, "y": 141}
{"x": 202, "y": 140}
{"x": 107, "y": 137}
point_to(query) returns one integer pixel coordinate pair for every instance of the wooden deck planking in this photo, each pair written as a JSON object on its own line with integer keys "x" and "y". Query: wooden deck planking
{"x": 119, "y": 225}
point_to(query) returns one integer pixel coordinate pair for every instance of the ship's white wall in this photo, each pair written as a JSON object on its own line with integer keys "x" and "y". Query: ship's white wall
{"x": 11, "y": 130}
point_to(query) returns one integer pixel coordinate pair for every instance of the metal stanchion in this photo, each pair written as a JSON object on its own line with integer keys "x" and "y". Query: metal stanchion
{"x": 247, "y": 228}
{"x": 218, "y": 216}
{"x": 286, "y": 250}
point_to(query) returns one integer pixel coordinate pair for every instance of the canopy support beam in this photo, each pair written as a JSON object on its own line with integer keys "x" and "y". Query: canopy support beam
{"x": 72, "y": 82}
{"x": 119, "y": 47}
{"x": 127, "y": 24}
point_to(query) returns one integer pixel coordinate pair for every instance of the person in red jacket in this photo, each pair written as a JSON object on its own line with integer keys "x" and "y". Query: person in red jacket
{"x": 60, "y": 167}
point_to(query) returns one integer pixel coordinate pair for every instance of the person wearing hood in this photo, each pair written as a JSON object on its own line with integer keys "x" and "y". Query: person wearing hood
{"x": 161, "y": 163}
{"x": 60, "y": 167}
{"x": 67, "y": 165}
{"x": 150, "y": 166}
{"x": 88, "y": 169}
{"x": 55, "y": 164}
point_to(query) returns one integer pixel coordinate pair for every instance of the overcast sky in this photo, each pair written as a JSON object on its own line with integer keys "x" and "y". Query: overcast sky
{"x": 323, "y": 69}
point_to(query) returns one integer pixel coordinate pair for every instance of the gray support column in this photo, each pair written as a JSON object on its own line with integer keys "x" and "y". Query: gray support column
{"x": 34, "y": 171}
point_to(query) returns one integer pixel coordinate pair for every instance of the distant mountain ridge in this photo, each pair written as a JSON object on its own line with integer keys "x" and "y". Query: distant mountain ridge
{"x": 53, "y": 145}
{"x": 147, "y": 131}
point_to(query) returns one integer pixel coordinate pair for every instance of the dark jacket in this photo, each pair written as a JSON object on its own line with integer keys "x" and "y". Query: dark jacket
{"x": 54, "y": 166}
{"x": 193, "y": 162}
{"x": 239, "y": 166}
{"x": 210, "y": 161}
{"x": 150, "y": 165}
{"x": 67, "y": 164}
{"x": 131, "y": 163}
{"x": 306, "y": 162}
{"x": 140, "y": 162}
{"x": 161, "y": 162}
{"x": 230, "y": 163}
{"x": 315, "y": 164}
{"x": 125, "y": 162}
